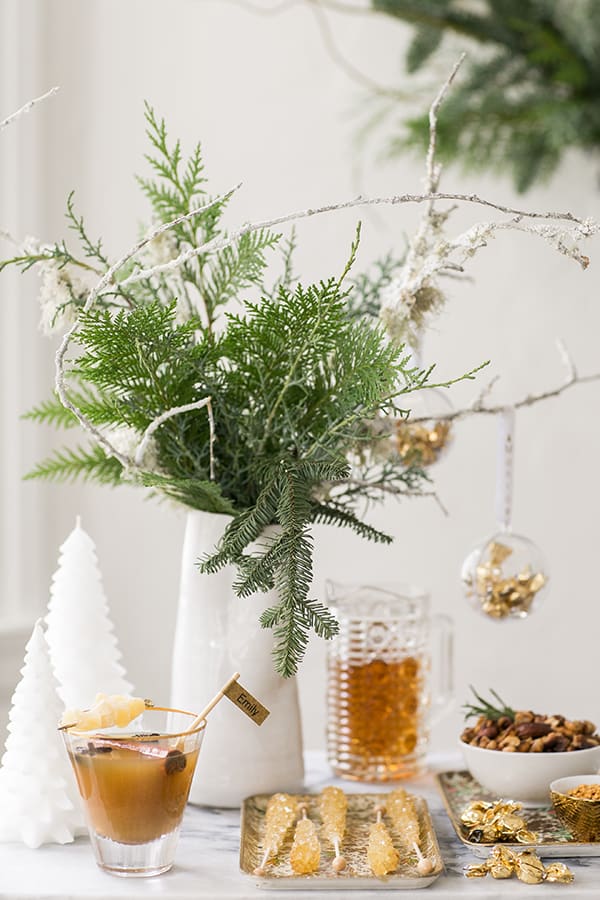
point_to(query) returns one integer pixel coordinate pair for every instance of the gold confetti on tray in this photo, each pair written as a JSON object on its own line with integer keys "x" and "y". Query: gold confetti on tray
{"x": 357, "y": 875}
{"x": 458, "y": 789}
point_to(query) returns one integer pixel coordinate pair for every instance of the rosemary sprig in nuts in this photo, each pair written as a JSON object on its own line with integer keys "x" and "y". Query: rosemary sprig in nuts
{"x": 487, "y": 709}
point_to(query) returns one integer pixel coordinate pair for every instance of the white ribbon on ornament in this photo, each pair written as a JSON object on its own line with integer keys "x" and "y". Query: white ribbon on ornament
{"x": 504, "y": 467}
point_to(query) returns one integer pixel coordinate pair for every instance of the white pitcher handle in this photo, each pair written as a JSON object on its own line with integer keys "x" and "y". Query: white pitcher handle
{"x": 443, "y": 652}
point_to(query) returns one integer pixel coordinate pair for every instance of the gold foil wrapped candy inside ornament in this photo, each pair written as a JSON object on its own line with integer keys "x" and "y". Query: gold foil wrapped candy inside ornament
{"x": 422, "y": 442}
{"x": 504, "y": 575}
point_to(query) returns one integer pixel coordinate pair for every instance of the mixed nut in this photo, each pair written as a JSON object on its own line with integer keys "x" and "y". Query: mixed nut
{"x": 530, "y": 732}
{"x": 523, "y": 731}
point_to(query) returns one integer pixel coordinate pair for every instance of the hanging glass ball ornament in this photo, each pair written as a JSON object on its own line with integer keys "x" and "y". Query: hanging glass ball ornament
{"x": 423, "y": 438}
{"x": 504, "y": 575}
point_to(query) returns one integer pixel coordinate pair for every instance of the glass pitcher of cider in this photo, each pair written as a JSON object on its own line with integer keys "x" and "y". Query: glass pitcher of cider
{"x": 381, "y": 667}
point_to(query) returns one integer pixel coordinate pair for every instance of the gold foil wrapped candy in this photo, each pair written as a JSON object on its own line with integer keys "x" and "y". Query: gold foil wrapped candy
{"x": 421, "y": 444}
{"x": 477, "y": 871}
{"x": 558, "y": 872}
{"x": 492, "y": 823}
{"x": 422, "y": 439}
{"x": 526, "y": 865}
{"x": 501, "y": 863}
{"x": 524, "y": 836}
{"x": 503, "y": 576}
{"x": 529, "y": 867}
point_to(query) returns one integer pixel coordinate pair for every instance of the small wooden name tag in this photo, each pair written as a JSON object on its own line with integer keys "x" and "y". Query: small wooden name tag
{"x": 244, "y": 700}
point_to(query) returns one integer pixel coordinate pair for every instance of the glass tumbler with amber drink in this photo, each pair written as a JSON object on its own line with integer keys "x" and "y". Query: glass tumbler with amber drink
{"x": 380, "y": 668}
{"x": 134, "y": 782}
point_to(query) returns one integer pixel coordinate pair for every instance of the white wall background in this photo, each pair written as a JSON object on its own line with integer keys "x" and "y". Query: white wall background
{"x": 274, "y": 111}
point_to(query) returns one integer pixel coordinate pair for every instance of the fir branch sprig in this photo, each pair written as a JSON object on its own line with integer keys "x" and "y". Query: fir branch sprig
{"x": 88, "y": 463}
{"x": 52, "y": 412}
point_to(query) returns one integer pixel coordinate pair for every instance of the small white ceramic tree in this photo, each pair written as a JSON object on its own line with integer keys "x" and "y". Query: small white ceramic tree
{"x": 39, "y": 801}
{"x": 83, "y": 646}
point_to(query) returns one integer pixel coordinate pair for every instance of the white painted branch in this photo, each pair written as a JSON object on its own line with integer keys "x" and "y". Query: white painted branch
{"x": 433, "y": 170}
{"x": 485, "y": 393}
{"x": 26, "y": 108}
{"x": 479, "y": 407}
{"x": 176, "y": 411}
{"x": 588, "y": 226}
{"x": 567, "y": 360}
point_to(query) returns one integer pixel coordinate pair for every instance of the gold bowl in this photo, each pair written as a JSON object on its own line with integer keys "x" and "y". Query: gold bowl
{"x": 582, "y": 817}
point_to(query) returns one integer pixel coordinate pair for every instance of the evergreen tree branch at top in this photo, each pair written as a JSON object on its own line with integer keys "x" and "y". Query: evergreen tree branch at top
{"x": 530, "y": 92}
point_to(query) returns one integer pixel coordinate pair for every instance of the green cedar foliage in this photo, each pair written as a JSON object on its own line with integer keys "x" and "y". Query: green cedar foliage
{"x": 528, "y": 92}
{"x": 292, "y": 380}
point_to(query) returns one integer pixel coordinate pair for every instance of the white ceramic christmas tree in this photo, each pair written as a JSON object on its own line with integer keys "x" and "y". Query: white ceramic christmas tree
{"x": 39, "y": 801}
{"x": 83, "y": 647}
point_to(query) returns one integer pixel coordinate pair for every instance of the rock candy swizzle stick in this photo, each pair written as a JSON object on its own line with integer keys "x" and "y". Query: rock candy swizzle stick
{"x": 401, "y": 810}
{"x": 381, "y": 854}
{"x": 305, "y": 854}
{"x": 105, "y": 713}
{"x": 280, "y": 815}
{"x": 332, "y": 806}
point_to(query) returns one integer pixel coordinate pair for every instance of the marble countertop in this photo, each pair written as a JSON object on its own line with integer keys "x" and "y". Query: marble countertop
{"x": 207, "y": 868}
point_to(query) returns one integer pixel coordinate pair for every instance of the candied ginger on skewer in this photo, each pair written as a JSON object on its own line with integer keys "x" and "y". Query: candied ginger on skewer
{"x": 332, "y": 806}
{"x": 305, "y": 854}
{"x": 106, "y": 712}
{"x": 381, "y": 853}
{"x": 402, "y": 812}
{"x": 279, "y": 817}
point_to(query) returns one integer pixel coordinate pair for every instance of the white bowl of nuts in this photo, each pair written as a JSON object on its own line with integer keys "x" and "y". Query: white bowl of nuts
{"x": 517, "y": 753}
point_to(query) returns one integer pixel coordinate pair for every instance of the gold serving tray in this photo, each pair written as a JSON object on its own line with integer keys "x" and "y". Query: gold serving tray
{"x": 459, "y": 788}
{"x": 357, "y": 875}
